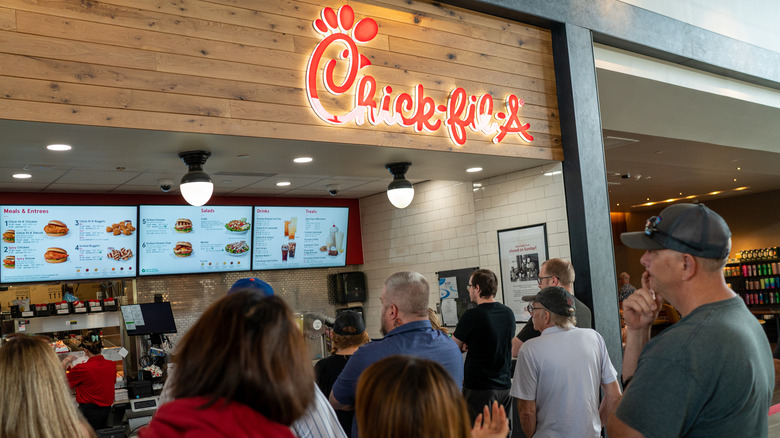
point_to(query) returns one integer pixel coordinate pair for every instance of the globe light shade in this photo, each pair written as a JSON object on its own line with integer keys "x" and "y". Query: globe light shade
{"x": 196, "y": 185}
{"x": 400, "y": 192}
{"x": 400, "y": 198}
{"x": 196, "y": 193}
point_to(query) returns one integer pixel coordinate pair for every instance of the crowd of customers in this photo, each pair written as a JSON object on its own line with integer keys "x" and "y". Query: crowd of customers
{"x": 243, "y": 369}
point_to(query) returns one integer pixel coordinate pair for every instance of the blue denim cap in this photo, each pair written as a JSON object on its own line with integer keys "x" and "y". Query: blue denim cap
{"x": 253, "y": 284}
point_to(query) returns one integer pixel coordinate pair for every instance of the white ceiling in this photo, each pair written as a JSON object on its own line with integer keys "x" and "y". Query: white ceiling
{"x": 113, "y": 160}
{"x": 669, "y": 139}
{"x": 674, "y": 140}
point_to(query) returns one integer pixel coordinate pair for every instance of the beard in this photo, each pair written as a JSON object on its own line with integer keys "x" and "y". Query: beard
{"x": 384, "y": 329}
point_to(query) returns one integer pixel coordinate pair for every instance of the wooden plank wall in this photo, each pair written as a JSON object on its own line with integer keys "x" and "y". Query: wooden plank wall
{"x": 237, "y": 67}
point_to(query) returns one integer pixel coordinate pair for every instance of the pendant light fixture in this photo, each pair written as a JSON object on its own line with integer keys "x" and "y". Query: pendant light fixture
{"x": 196, "y": 185}
{"x": 400, "y": 192}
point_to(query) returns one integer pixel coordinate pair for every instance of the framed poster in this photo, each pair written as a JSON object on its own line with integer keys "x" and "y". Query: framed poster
{"x": 520, "y": 253}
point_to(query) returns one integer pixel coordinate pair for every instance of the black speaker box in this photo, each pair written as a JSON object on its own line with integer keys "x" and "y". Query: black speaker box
{"x": 346, "y": 287}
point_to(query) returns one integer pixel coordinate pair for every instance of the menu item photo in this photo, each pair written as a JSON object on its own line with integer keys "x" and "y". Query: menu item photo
{"x": 55, "y": 229}
{"x": 124, "y": 228}
{"x": 55, "y": 255}
{"x": 238, "y": 225}
{"x": 9, "y": 262}
{"x": 182, "y": 249}
{"x": 237, "y": 248}
{"x": 122, "y": 254}
{"x": 183, "y": 226}
{"x": 9, "y": 236}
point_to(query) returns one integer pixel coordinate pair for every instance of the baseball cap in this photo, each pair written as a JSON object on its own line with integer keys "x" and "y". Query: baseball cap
{"x": 349, "y": 323}
{"x": 252, "y": 284}
{"x": 689, "y": 228}
{"x": 555, "y": 299}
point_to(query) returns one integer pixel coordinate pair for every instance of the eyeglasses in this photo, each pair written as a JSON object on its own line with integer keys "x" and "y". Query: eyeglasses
{"x": 650, "y": 229}
{"x": 469, "y": 285}
{"x": 531, "y": 308}
{"x": 539, "y": 279}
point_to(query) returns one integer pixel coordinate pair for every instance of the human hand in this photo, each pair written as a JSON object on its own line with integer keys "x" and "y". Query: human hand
{"x": 67, "y": 360}
{"x": 495, "y": 425}
{"x": 641, "y": 308}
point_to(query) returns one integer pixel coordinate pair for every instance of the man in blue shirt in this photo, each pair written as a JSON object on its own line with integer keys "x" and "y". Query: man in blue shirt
{"x": 407, "y": 330}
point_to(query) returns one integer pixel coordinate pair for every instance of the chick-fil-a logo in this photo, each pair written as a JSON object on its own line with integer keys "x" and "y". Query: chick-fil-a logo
{"x": 418, "y": 110}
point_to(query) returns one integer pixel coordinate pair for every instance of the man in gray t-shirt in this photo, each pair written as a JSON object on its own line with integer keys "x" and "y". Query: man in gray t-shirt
{"x": 711, "y": 373}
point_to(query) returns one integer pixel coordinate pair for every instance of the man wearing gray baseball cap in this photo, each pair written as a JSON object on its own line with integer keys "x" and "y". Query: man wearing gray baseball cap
{"x": 709, "y": 375}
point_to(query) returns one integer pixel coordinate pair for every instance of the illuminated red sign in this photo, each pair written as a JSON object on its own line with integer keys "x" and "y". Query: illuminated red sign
{"x": 459, "y": 114}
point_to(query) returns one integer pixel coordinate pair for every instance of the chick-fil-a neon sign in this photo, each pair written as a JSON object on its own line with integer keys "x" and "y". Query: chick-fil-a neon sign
{"x": 460, "y": 113}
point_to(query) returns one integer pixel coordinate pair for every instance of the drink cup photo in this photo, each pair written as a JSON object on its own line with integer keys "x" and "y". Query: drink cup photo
{"x": 291, "y": 251}
{"x": 339, "y": 236}
{"x": 293, "y": 227}
{"x": 286, "y": 228}
{"x": 285, "y": 250}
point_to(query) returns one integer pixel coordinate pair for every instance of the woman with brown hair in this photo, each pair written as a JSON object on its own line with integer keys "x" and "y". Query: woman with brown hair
{"x": 243, "y": 371}
{"x": 349, "y": 333}
{"x": 405, "y": 396}
{"x": 34, "y": 397}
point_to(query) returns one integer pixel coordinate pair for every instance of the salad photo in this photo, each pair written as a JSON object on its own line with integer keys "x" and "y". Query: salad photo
{"x": 237, "y": 248}
{"x": 238, "y": 225}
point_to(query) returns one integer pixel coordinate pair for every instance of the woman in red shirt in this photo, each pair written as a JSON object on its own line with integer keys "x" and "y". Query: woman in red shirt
{"x": 93, "y": 381}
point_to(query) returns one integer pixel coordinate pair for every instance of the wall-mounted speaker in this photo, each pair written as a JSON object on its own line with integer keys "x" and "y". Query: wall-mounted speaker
{"x": 346, "y": 287}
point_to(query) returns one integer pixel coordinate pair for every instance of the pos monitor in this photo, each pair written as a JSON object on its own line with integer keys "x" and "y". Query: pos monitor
{"x": 148, "y": 318}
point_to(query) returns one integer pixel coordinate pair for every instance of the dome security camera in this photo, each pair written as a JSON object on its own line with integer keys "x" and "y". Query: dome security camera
{"x": 334, "y": 189}
{"x": 166, "y": 184}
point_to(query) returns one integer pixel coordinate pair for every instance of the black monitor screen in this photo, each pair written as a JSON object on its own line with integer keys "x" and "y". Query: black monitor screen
{"x": 148, "y": 318}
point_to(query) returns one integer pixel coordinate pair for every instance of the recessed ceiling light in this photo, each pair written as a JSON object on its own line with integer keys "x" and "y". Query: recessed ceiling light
{"x": 59, "y": 147}
{"x": 303, "y": 160}
{"x": 283, "y": 183}
{"x": 474, "y": 169}
{"x": 735, "y": 180}
{"x": 477, "y": 185}
{"x": 739, "y": 168}
{"x": 554, "y": 172}
{"x": 22, "y": 175}
{"x": 227, "y": 181}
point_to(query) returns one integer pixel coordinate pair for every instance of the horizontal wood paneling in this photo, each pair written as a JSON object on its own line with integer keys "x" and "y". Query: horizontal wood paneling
{"x": 7, "y": 19}
{"x": 237, "y": 67}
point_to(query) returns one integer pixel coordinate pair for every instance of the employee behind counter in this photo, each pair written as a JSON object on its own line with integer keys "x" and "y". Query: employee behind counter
{"x": 93, "y": 381}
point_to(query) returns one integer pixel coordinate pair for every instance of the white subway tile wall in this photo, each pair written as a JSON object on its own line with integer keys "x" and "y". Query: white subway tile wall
{"x": 449, "y": 225}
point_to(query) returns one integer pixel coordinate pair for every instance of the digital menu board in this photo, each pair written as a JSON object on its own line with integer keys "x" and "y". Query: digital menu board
{"x": 67, "y": 242}
{"x": 299, "y": 237}
{"x": 181, "y": 239}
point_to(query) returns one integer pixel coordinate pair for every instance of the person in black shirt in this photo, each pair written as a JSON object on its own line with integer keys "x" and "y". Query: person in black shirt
{"x": 485, "y": 333}
{"x": 349, "y": 333}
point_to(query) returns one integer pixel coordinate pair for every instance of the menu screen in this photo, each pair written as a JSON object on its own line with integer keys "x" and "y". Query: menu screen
{"x": 299, "y": 237}
{"x": 179, "y": 239}
{"x": 67, "y": 242}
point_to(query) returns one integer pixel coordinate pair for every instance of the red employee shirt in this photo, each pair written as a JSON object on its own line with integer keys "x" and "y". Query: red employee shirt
{"x": 94, "y": 381}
